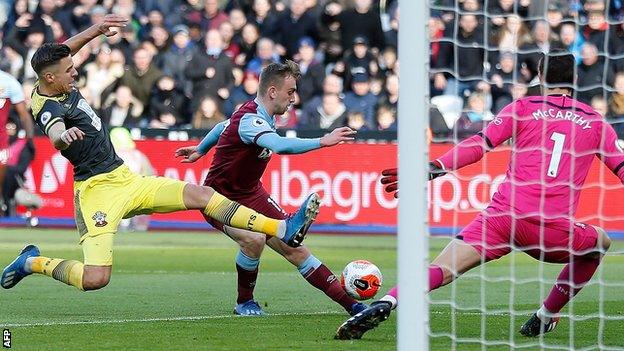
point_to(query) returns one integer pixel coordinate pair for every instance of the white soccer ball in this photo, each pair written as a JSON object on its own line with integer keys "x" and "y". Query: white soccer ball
{"x": 361, "y": 279}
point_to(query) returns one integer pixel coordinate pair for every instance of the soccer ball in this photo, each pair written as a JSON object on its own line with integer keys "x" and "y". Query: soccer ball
{"x": 361, "y": 279}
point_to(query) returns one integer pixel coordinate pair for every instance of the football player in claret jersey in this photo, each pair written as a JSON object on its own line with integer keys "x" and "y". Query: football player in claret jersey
{"x": 105, "y": 190}
{"x": 11, "y": 95}
{"x": 555, "y": 139}
{"x": 244, "y": 145}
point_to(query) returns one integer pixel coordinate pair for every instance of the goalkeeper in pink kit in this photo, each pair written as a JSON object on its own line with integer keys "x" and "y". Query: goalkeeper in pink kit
{"x": 555, "y": 139}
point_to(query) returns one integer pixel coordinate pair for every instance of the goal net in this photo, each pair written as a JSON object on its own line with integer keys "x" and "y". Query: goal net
{"x": 484, "y": 54}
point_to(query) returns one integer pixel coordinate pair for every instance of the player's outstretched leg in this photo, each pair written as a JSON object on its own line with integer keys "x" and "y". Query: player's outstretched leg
{"x": 298, "y": 224}
{"x": 16, "y": 270}
{"x": 291, "y": 230}
{"x": 29, "y": 261}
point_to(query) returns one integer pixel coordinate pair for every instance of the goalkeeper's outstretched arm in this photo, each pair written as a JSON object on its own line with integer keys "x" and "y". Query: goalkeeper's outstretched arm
{"x": 611, "y": 153}
{"x": 472, "y": 149}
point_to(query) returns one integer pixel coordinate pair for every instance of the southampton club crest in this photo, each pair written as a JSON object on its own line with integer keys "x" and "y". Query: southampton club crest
{"x": 100, "y": 219}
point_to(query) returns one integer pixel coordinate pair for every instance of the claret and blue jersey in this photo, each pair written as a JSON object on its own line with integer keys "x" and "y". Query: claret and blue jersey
{"x": 244, "y": 145}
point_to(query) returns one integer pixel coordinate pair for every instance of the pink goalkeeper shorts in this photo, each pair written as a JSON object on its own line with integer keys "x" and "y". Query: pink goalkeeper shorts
{"x": 552, "y": 240}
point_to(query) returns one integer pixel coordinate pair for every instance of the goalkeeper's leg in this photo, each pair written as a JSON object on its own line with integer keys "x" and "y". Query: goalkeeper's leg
{"x": 581, "y": 267}
{"x": 485, "y": 238}
{"x": 457, "y": 258}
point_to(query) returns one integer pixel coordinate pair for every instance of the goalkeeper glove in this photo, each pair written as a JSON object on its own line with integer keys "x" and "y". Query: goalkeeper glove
{"x": 390, "y": 177}
{"x": 435, "y": 170}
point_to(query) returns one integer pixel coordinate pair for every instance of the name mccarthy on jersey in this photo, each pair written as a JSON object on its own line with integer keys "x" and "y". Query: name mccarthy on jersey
{"x": 559, "y": 114}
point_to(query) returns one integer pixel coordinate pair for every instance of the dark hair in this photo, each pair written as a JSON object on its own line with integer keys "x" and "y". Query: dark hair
{"x": 275, "y": 73}
{"x": 47, "y": 55}
{"x": 557, "y": 68}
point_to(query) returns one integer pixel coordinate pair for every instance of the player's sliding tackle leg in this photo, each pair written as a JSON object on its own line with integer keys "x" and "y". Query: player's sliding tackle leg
{"x": 456, "y": 259}
{"x": 570, "y": 281}
{"x": 95, "y": 274}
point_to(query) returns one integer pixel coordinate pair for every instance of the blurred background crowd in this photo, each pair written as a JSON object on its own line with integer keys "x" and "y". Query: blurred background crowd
{"x": 190, "y": 63}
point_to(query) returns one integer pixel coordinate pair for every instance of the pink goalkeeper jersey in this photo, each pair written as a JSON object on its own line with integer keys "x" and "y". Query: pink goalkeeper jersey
{"x": 555, "y": 141}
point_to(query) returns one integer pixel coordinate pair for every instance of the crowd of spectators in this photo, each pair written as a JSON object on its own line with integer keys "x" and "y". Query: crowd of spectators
{"x": 191, "y": 63}
{"x": 485, "y": 54}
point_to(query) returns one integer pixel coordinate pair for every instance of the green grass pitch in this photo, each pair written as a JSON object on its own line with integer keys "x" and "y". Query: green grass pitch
{"x": 176, "y": 291}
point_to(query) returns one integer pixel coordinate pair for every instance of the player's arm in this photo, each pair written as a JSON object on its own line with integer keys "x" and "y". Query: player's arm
{"x": 282, "y": 145}
{"x": 194, "y": 153}
{"x": 611, "y": 153}
{"x": 255, "y": 130}
{"x": 50, "y": 121}
{"x": 79, "y": 40}
{"x": 466, "y": 152}
{"x": 472, "y": 149}
{"x": 61, "y": 138}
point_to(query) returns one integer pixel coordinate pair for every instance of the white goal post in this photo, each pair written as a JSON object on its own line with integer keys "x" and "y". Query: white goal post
{"x": 413, "y": 231}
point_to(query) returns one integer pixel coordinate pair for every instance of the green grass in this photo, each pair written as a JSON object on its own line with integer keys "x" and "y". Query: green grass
{"x": 175, "y": 291}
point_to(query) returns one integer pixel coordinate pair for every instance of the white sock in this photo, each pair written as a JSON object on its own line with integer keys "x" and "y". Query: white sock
{"x": 28, "y": 264}
{"x": 393, "y": 301}
{"x": 544, "y": 314}
{"x": 281, "y": 229}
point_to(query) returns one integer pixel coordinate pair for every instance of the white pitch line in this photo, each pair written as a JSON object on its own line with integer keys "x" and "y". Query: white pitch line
{"x": 158, "y": 319}
{"x": 189, "y": 318}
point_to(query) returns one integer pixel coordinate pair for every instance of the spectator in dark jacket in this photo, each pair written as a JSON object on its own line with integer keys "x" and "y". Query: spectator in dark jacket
{"x": 502, "y": 78}
{"x": 242, "y": 93}
{"x": 361, "y": 99}
{"x": 122, "y": 109}
{"x": 332, "y": 84}
{"x": 264, "y": 17}
{"x": 292, "y": 25}
{"x": 168, "y": 99}
{"x": 469, "y": 50}
{"x": 247, "y": 44}
{"x": 543, "y": 41}
{"x": 596, "y": 29}
{"x": 331, "y": 114}
{"x": 386, "y": 119}
{"x": 141, "y": 77}
{"x": 593, "y": 76}
{"x": 358, "y": 60}
{"x": 210, "y": 70}
{"x": 178, "y": 56}
{"x": 312, "y": 72}
{"x": 266, "y": 54}
{"x": 391, "y": 97}
{"x": 361, "y": 20}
